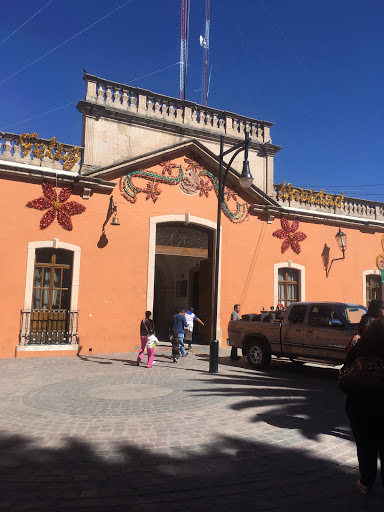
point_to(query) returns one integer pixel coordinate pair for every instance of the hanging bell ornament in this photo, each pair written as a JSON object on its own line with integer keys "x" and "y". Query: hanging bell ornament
{"x": 115, "y": 221}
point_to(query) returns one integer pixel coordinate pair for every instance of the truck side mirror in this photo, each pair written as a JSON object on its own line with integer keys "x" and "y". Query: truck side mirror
{"x": 335, "y": 322}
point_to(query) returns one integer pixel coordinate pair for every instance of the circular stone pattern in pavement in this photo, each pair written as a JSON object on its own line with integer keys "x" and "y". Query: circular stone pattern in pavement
{"x": 123, "y": 395}
{"x": 130, "y": 391}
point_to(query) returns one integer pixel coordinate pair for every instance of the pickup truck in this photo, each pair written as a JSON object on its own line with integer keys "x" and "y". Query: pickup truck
{"x": 308, "y": 332}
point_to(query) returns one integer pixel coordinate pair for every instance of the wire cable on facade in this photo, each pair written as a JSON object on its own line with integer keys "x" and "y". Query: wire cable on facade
{"x": 153, "y": 73}
{"x": 25, "y": 22}
{"x": 39, "y": 115}
{"x": 65, "y": 42}
{"x": 73, "y": 102}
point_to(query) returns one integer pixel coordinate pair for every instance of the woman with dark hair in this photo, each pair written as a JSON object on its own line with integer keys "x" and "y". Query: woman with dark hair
{"x": 375, "y": 311}
{"x": 146, "y": 327}
{"x": 365, "y": 410}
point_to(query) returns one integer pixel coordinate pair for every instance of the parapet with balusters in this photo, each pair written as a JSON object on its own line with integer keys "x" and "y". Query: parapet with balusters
{"x": 123, "y": 122}
{"x": 157, "y": 106}
{"x": 28, "y": 148}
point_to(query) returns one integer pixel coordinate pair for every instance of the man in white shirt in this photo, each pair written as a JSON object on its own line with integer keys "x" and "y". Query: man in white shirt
{"x": 190, "y": 318}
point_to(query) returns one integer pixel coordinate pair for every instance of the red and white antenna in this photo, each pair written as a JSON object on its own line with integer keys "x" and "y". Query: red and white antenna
{"x": 204, "y": 42}
{"x": 185, "y": 4}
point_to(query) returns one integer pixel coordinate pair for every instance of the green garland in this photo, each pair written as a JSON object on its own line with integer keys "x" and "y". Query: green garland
{"x": 130, "y": 191}
{"x": 241, "y": 213}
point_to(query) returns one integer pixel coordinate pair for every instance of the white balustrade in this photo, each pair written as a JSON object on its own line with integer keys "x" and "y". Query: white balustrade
{"x": 126, "y": 98}
{"x": 349, "y": 206}
{"x": 40, "y": 152}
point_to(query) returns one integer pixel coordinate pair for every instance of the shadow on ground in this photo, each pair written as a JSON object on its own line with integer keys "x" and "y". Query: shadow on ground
{"x": 286, "y": 396}
{"x": 225, "y": 476}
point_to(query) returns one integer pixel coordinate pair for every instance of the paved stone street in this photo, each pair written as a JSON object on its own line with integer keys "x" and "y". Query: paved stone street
{"x": 99, "y": 433}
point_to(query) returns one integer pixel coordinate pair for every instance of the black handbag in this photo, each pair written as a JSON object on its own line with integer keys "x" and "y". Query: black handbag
{"x": 364, "y": 375}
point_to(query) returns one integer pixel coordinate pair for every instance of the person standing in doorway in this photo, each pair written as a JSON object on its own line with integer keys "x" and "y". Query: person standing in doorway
{"x": 146, "y": 326}
{"x": 188, "y": 331}
{"x": 235, "y": 316}
{"x": 179, "y": 323}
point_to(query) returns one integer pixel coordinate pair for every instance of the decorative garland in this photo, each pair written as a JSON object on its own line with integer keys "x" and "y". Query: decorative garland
{"x": 380, "y": 258}
{"x": 285, "y": 191}
{"x": 56, "y": 206}
{"x": 290, "y": 235}
{"x": 206, "y": 182}
{"x": 129, "y": 191}
{"x": 53, "y": 150}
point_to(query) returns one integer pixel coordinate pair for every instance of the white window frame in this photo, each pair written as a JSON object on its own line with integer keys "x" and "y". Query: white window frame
{"x": 55, "y": 243}
{"x": 301, "y": 284}
{"x": 375, "y": 271}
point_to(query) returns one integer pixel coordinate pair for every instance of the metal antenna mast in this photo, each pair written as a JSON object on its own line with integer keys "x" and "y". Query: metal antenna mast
{"x": 204, "y": 42}
{"x": 185, "y": 5}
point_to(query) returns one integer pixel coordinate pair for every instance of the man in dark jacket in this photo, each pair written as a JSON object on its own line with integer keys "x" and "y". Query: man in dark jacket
{"x": 178, "y": 324}
{"x": 235, "y": 316}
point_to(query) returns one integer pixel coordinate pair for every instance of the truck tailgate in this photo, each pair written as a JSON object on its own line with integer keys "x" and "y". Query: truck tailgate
{"x": 238, "y": 330}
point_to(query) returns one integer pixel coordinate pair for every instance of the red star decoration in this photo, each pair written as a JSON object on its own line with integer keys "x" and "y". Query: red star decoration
{"x": 168, "y": 167}
{"x": 193, "y": 166}
{"x": 290, "y": 235}
{"x": 229, "y": 194}
{"x": 56, "y": 206}
{"x": 205, "y": 187}
{"x": 152, "y": 191}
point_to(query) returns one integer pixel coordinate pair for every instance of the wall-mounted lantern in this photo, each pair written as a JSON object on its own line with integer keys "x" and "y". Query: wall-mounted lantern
{"x": 341, "y": 239}
{"x": 113, "y": 210}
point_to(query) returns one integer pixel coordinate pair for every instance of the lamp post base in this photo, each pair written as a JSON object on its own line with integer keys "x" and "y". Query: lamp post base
{"x": 214, "y": 356}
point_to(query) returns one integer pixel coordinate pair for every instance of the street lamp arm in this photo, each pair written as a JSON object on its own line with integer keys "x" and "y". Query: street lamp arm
{"x": 230, "y": 162}
{"x": 238, "y": 145}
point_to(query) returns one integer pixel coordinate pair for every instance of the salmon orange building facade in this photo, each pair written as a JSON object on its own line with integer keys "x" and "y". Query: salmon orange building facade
{"x": 94, "y": 236}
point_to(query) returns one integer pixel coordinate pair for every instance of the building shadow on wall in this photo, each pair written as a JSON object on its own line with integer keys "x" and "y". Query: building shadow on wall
{"x": 325, "y": 257}
{"x": 230, "y": 474}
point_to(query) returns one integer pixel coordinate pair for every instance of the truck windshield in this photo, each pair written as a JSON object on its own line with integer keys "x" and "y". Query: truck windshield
{"x": 352, "y": 314}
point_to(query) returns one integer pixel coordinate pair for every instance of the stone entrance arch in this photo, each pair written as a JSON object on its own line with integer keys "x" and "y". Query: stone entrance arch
{"x": 181, "y": 274}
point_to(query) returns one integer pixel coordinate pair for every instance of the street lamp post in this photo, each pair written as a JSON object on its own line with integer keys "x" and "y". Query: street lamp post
{"x": 245, "y": 181}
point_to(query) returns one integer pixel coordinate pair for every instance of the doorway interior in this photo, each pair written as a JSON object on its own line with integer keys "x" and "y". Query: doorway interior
{"x": 183, "y": 276}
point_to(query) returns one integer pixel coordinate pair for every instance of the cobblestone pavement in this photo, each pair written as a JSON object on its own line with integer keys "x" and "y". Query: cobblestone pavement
{"x": 99, "y": 433}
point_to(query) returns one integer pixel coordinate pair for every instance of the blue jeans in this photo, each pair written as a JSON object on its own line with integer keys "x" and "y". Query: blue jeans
{"x": 180, "y": 335}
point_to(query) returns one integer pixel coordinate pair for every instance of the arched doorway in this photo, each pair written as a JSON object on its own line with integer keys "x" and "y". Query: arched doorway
{"x": 183, "y": 275}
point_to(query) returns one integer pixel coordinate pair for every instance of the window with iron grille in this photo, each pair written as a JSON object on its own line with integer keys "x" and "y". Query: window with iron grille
{"x": 51, "y": 296}
{"x": 182, "y": 236}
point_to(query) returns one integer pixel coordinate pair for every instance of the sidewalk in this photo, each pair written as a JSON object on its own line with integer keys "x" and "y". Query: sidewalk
{"x": 99, "y": 433}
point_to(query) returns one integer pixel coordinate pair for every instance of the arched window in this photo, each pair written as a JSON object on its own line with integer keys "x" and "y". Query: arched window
{"x": 373, "y": 288}
{"x": 288, "y": 286}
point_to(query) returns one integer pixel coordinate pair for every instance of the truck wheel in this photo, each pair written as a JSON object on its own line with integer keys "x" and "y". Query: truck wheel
{"x": 257, "y": 355}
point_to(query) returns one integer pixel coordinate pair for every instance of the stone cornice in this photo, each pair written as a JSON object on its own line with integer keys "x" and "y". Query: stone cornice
{"x": 316, "y": 216}
{"x": 99, "y": 110}
{"x": 150, "y": 158}
{"x": 33, "y": 174}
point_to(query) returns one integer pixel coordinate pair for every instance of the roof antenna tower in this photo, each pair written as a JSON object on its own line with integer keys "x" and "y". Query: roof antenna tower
{"x": 204, "y": 42}
{"x": 185, "y": 5}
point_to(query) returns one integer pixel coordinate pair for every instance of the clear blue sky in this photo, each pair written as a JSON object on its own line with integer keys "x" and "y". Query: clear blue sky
{"x": 314, "y": 68}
